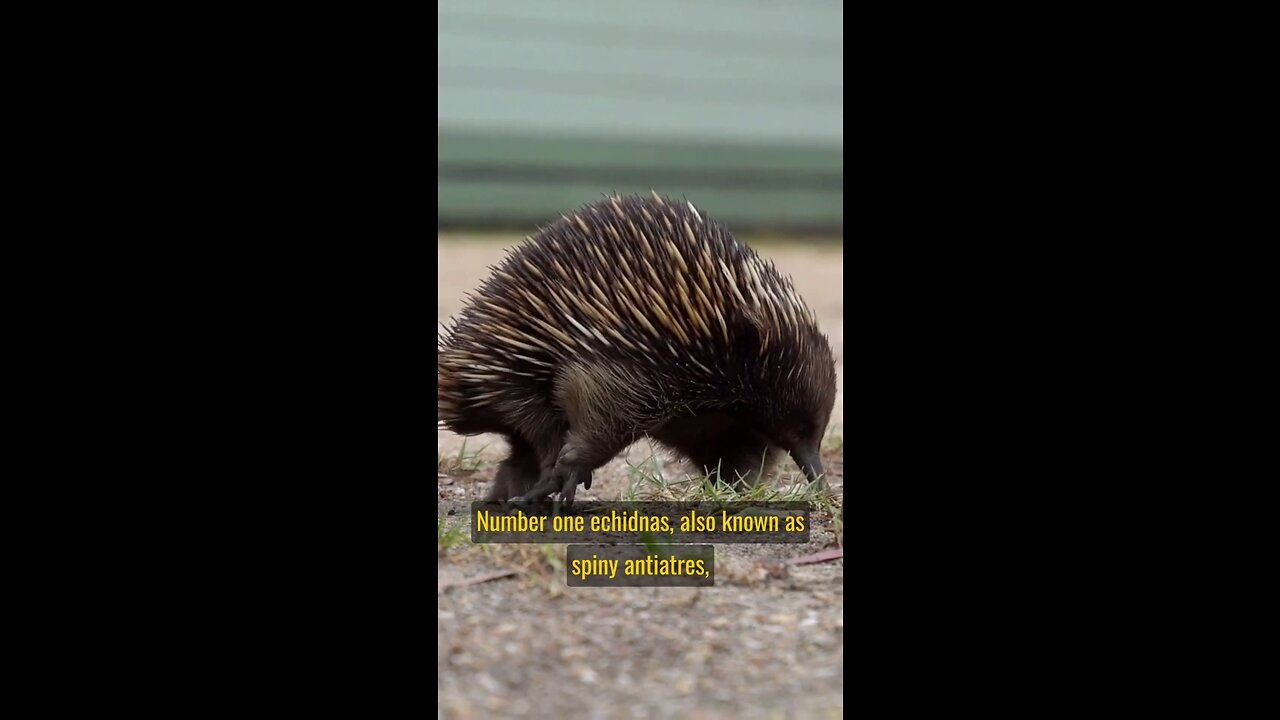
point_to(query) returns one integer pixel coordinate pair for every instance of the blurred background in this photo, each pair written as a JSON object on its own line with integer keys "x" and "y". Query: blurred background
{"x": 737, "y": 105}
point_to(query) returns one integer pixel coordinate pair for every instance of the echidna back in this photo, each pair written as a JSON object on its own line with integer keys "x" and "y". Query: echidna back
{"x": 647, "y": 288}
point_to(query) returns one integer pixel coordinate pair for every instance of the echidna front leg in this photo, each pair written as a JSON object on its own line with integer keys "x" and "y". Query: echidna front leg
{"x": 720, "y": 446}
{"x": 743, "y": 464}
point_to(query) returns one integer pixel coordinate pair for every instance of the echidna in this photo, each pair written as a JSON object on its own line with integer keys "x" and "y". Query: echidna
{"x": 634, "y": 317}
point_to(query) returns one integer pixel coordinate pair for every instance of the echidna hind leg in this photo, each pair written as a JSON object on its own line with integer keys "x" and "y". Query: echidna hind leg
{"x": 584, "y": 394}
{"x": 546, "y": 449}
{"x": 581, "y": 455}
{"x": 517, "y": 473}
{"x": 546, "y": 483}
{"x": 545, "y": 486}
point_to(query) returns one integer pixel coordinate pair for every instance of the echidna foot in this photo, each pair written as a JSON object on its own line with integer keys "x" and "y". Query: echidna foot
{"x": 562, "y": 481}
{"x": 539, "y": 491}
{"x": 569, "y": 486}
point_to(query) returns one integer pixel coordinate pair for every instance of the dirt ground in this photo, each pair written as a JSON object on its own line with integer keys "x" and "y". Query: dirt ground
{"x": 766, "y": 641}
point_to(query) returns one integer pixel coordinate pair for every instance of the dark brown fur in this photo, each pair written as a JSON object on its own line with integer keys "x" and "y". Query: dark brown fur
{"x": 636, "y": 317}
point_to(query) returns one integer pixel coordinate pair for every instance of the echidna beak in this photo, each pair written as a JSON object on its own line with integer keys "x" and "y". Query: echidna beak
{"x": 809, "y": 462}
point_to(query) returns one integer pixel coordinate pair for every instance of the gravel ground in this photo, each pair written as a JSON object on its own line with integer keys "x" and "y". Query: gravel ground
{"x": 766, "y": 641}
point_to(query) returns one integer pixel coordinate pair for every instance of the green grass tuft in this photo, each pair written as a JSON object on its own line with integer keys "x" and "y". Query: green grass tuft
{"x": 651, "y": 480}
{"x": 448, "y": 536}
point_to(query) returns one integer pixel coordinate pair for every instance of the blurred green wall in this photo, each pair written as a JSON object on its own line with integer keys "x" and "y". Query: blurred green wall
{"x": 736, "y": 104}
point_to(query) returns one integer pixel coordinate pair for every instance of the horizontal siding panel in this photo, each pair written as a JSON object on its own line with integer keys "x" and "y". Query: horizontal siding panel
{"x": 552, "y": 111}
{"x": 817, "y": 25}
{"x": 738, "y": 104}
{"x": 678, "y": 65}
{"x": 666, "y": 68}
{"x": 532, "y": 204}
{"x": 524, "y": 150}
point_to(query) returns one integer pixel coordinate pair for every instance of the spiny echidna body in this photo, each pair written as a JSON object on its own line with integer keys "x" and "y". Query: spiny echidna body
{"x": 634, "y": 317}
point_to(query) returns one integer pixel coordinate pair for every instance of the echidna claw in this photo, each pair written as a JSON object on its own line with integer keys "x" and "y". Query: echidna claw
{"x": 569, "y": 489}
